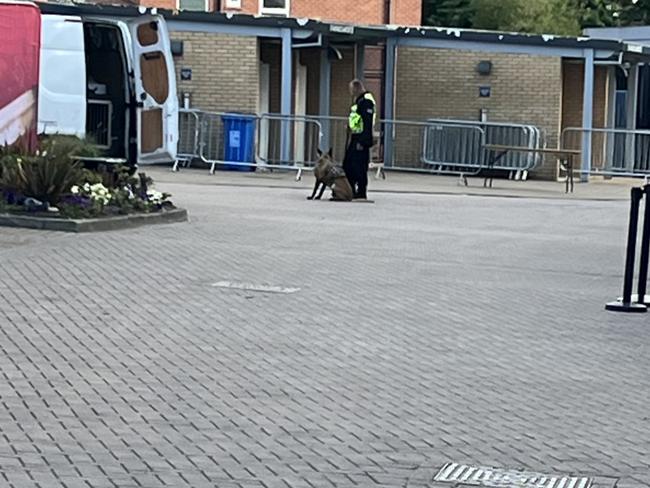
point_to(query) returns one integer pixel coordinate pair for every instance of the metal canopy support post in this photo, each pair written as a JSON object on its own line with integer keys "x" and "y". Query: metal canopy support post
{"x": 587, "y": 114}
{"x": 285, "y": 94}
{"x": 360, "y": 65}
{"x": 610, "y": 121}
{"x": 389, "y": 100}
{"x": 325, "y": 97}
{"x": 630, "y": 114}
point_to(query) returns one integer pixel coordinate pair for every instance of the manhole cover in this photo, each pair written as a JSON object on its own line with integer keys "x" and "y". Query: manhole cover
{"x": 260, "y": 288}
{"x": 483, "y": 476}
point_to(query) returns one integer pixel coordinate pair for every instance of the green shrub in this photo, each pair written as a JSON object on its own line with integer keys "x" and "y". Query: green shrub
{"x": 49, "y": 176}
{"x": 50, "y": 172}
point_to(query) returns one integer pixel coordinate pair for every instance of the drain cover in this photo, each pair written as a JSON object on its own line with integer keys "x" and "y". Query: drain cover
{"x": 261, "y": 288}
{"x": 482, "y": 476}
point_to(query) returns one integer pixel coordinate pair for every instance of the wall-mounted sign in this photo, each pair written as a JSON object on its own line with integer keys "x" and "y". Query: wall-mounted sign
{"x": 484, "y": 91}
{"x": 342, "y": 29}
{"x": 186, "y": 74}
{"x": 233, "y": 3}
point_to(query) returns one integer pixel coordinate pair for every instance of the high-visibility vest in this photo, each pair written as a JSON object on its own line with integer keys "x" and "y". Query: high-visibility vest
{"x": 355, "y": 121}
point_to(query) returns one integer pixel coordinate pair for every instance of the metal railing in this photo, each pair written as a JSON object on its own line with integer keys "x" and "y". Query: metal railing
{"x": 302, "y": 135}
{"x": 335, "y": 135}
{"x": 189, "y": 125}
{"x": 291, "y": 143}
{"x": 432, "y": 147}
{"x": 497, "y": 133}
{"x": 205, "y": 136}
{"x": 612, "y": 152}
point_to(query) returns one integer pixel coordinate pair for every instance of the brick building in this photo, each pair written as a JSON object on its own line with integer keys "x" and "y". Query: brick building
{"x": 274, "y": 64}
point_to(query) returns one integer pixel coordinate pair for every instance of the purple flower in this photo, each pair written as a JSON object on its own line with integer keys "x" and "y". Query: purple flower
{"x": 77, "y": 201}
{"x": 11, "y": 197}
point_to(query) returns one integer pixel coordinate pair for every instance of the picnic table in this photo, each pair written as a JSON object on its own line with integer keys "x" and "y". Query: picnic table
{"x": 566, "y": 157}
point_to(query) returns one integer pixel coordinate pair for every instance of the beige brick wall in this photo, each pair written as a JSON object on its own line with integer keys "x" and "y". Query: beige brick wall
{"x": 225, "y": 71}
{"x": 445, "y": 84}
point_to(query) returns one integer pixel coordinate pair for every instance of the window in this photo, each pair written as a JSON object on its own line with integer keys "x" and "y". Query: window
{"x": 197, "y": 5}
{"x": 274, "y": 7}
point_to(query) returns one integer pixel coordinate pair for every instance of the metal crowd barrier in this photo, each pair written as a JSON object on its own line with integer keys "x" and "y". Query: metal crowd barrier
{"x": 613, "y": 152}
{"x": 433, "y": 147}
{"x": 188, "y": 137}
{"x": 302, "y": 135}
{"x": 495, "y": 133}
{"x": 291, "y": 142}
{"x": 203, "y": 136}
{"x": 335, "y": 138}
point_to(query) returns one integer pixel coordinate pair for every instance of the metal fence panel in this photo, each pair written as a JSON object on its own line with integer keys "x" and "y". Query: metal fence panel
{"x": 302, "y": 133}
{"x": 614, "y": 152}
{"x": 506, "y": 134}
{"x": 188, "y": 136}
{"x": 436, "y": 145}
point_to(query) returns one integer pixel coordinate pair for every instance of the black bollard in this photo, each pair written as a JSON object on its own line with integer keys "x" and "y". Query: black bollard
{"x": 625, "y": 304}
{"x": 645, "y": 251}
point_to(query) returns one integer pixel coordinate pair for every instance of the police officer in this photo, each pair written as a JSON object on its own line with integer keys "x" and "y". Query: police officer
{"x": 360, "y": 138}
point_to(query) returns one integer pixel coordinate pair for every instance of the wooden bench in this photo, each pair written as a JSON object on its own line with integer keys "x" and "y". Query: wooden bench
{"x": 566, "y": 157}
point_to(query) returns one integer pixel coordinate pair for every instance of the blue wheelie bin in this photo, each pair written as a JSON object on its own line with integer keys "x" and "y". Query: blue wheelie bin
{"x": 239, "y": 143}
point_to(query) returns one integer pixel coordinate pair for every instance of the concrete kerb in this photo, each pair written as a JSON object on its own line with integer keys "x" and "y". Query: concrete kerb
{"x": 93, "y": 225}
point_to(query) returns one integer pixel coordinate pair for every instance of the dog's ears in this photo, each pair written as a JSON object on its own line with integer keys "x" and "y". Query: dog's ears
{"x": 321, "y": 153}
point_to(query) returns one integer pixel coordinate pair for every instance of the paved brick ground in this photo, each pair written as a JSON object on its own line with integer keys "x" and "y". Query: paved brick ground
{"x": 427, "y": 329}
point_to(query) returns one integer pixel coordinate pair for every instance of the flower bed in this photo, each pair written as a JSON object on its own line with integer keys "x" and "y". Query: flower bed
{"x": 53, "y": 184}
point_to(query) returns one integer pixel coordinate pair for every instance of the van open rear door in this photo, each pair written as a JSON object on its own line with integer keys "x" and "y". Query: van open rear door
{"x": 155, "y": 90}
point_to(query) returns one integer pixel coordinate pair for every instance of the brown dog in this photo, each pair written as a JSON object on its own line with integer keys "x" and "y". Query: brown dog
{"x": 329, "y": 174}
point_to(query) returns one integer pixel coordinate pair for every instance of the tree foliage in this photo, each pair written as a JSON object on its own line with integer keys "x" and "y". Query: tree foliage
{"x": 567, "y": 17}
{"x": 447, "y": 13}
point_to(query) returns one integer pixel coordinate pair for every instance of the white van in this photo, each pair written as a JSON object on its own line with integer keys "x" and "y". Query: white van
{"x": 111, "y": 80}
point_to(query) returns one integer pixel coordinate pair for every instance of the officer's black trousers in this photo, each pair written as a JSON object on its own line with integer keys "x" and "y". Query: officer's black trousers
{"x": 355, "y": 165}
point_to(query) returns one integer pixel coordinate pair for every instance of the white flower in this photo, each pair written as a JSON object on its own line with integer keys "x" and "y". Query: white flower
{"x": 155, "y": 197}
{"x": 74, "y": 190}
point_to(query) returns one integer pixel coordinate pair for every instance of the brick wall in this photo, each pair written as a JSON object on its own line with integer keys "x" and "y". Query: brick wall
{"x": 445, "y": 84}
{"x": 406, "y": 12}
{"x": 225, "y": 71}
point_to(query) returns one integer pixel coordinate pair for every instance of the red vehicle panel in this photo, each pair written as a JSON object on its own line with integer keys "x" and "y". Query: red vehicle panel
{"x": 20, "y": 33}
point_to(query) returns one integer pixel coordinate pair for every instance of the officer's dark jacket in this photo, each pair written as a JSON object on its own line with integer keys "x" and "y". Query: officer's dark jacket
{"x": 365, "y": 108}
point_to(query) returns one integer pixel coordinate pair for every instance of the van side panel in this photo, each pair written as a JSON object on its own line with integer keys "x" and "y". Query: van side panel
{"x": 20, "y": 33}
{"x": 62, "y": 88}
